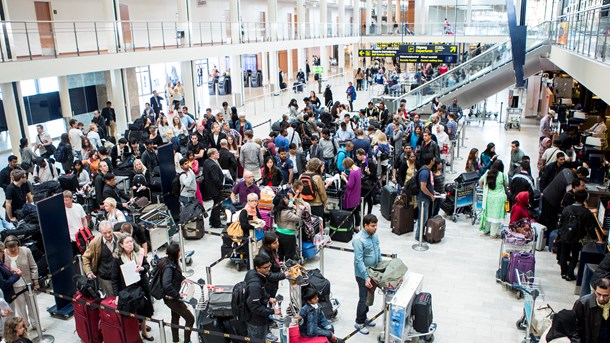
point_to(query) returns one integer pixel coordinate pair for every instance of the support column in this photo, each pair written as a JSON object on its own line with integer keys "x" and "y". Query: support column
{"x": 290, "y": 66}
{"x": 265, "y": 68}
{"x": 184, "y": 18}
{"x": 368, "y": 16}
{"x": 11, "y": 110}
{"x": 324, "y": 62}
{"x": 355, "y": 57}
{"x": 64, "y": 98}
{"x": 274, "y": 71}
{"x": 272, "y": 20}
{"x": 119, "y": 99}
{"x": 323, "y": 18}
{"x": 468, "y": 14}
{"x": 188, "y": 84}
{"x": 301, "y": 57}
{"x": 112, "y": 29}
{"x": 234, "y": 15}
{"x": 341, "y": 58}
{"x": 379, "y": 16}
{"x": 390, "y": 16}
{"x": 237, "y": 81}
{"x": 7, "y": 45}
{"x": 420, "y": 17}
{"x": 300, "y": 7}
{"x": 341, "y": 16}
{"x": 399, "y": 14}
{"x": 356, "y": 28}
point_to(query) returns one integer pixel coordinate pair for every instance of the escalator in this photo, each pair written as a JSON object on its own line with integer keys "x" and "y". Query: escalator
{"x": 482, "y": 76}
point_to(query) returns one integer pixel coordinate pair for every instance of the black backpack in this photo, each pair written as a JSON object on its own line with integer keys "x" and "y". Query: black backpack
{"x": 156, "y": 286}
{"x": 176, "y": 186}
{"x": 239, "y": 308}
{"x": 570, "y": 230}
{"x": 412, "y": 187}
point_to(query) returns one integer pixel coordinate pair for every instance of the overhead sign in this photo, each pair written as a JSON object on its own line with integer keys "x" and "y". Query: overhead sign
{"x": 318, "y": 70}
{"x": 436, "y": 49}
{"x": 427, "y": 59}
{"x": 389, "y": 45}
{"x": 376, "y": 53}
{"x": 413, "y": 53}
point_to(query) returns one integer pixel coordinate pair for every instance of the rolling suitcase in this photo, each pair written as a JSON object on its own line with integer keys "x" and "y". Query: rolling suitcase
{"x": 388, "y": 195}
{"x": 341, "y": 225}
{"x": 206, "y": 321}
{"x": 87, "y": 319}
{"x": 522, "y": 261}
{"x": 422, "y": 312}
{"x": 540, "y": 230}
{"x": 266, "y": 216}
{"x": 193, "y": 230}
{"x": 117, "y": 328}
{"x": 220, "y": 301}
{"x": 502, "y": 273}
{"x": 435, "y": 229}
{"x": 402, "y": 220}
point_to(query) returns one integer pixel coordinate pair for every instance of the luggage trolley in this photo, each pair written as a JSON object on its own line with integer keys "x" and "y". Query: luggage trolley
{"x": 464, "y": 197}
{"x": 532, "y": 291}
{"x": 513, "y": 118}
{"x": 160, "y": 225}
{"x": 506, "y": 248}
{"x": 478, "y": 205}
{"x": 399, "y": 319}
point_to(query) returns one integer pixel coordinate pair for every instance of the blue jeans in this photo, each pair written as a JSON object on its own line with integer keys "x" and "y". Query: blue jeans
{"x": 6, "y": 225}
{"x": 426, "y": 204}
{"x": 361, "y": 309}
{"x": 256, "y": 331}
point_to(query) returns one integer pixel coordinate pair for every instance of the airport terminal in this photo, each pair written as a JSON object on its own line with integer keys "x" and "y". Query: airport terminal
{"x": 304, "y": 171}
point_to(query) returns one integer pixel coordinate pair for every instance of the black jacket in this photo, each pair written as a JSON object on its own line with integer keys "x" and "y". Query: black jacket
{"x": 275, "y": 274}
{"x": 5, "y": 177}
{"x": 549, "y": 174}
{"x": 149, "y": 160}
{"x": 275, "y": 179}
{"x": 116, "y": 194}
{"x": 213, "y": 178}
{"x": 586, "y": 220}
{"x": 228, "y": 161}
{"x": 98, "y": 184}
{"x": 7, "y": 279}
{"x": 156, "y": 104}
{"x": 257, "y": 299}
{"x": 118, "y": 283}
{"x": 109, "y": 115}
{"x": 101, "y": 125}
{"x": 114, "y": 154}
{"x": 589, "y": 317}
{"x": 171, "y": 280}
{"x": 521, "y": 183}
{"x": 301, "y": 162}
{"x": 215, "y": 143}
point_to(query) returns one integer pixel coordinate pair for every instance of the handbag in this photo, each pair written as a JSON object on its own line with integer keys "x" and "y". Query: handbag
{"x": 50, "y": 149}
{"x": 507, "y": 206}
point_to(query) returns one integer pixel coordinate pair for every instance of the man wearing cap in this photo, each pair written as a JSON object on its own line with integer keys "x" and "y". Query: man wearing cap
{"x": 5, "y": 174}
{"x": 111, "y": 191}
{"x": 149, "y": 157}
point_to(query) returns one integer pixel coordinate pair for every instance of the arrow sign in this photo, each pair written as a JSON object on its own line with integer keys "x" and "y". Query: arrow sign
{"x": 360, "y": 52}
{"x": 453, "y": 48}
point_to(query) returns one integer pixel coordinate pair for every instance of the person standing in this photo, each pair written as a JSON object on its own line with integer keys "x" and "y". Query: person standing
{"x": 20, "y": 260}
{"x": 270, "y": 246}
{"x": 76, "y": 218}
{"x": 214, "y": 182}
{"x": 593, "y": 314}
{"x": 351, "y": 96}
{"x": 17, "y": 194}
{"x": 516, "y": 155}
{"x": 5, "y": 173}
{"x": 545, "y": 126}
{"x": 97, "y": 259}
{"x": 251, "y": 155}
{"x": 156, "y": 102}
{"x": 366, "y": 254}
{"x": 76, "y": 139}
{"x": 110, "y": 117}
{"x": 425, "y": 197}
{"x": 43, "y": 142}
{"x": 258, "y": 300}
{"x": 352, "y": 176}
{"x": 188, "y": 182}
{"x": 494, "y": 183}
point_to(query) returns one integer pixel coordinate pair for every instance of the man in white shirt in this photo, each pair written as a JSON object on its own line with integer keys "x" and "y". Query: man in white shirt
{"x": 76, "y": 218}
{"x": 44, "y": 171}
{"x": 545, "y": 126}
{"x": 599, "y": 128}
{"x": 76, "y": 139}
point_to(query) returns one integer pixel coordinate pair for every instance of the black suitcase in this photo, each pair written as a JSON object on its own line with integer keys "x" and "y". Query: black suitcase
{"x": 422, "y": 312}
{"x": 388, "y": 195}
{"x": 466, "y": 178}
{"x": 68, "y": 182}
{"x": 193, "y": 230}
{"x": 402, "y": 219}
{"x": 341, "y": 225}
{"x": 220, "y": 301}
{"x": 205, "y": 321}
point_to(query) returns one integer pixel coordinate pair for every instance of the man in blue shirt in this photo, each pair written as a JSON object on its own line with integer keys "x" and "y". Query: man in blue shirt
{"x": 285, "y": 165}
{"x": 344, "y": 134}
{"x": 425, "y": 197}
{"x": 342, "y": 154}
{"x": 366, "y": 254}
{"x": 281, "y": 141}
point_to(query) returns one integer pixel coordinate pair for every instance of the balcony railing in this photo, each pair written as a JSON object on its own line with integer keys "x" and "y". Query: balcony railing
{"x": 439, "y": 29}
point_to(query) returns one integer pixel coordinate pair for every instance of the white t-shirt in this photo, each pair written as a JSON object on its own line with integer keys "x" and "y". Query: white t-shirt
{"x": 13, "y": 265}
{"x": 75, "y": 216}
{"x": 75, "y": 139}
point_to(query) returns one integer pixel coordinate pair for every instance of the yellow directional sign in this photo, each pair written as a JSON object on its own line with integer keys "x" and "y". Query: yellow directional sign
{"x": 453, "y": 48}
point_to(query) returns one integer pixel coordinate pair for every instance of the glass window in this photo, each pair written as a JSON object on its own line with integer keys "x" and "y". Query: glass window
{"x": 48, "y": 84}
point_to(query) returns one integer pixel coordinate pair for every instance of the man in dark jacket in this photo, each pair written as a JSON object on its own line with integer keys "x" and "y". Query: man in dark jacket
{"x": 258, "y": 299}
{"x": 149, "y": 157}
{"x": 111, "y": 191}
{"x": 429, "y": 147}
{"x": 552, "y": 169}
{"x": 156, "y": 102}
{"x": 593, "y": 314}
{"x": 100, "y": 121}
{"x": 553, "y": 193}
{"x": 216, "y": 136}
{"x": 214, "y": 182}
{"x": 227, "y": 159}
{"x": 110, "y": 117}
{"x": 522, "y": 182}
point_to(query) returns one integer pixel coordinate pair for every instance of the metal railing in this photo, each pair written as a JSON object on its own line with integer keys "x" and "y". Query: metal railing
{"x": 584, "y": 32}
{"x": 493, "y": 58}
{"x": 438, "y": 29}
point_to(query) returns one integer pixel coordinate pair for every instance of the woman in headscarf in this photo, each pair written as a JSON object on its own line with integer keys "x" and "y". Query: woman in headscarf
{"x": 520, "y": 208}
{"x": 444, "y": 143}
{"x": 545, "y": 144}
{"x": 563, "y": 330}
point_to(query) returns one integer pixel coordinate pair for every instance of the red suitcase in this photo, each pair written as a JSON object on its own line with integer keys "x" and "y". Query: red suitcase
{"x": 295, "y": 337}
{"x": 87, "y": 319}
{"x": 117, "y": 328}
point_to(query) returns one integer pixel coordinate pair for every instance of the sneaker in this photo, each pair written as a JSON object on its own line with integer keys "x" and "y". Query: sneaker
{"x": 362, "y": 330}
{"x": 271, "y": 337}
{"x": 370, "y": 323}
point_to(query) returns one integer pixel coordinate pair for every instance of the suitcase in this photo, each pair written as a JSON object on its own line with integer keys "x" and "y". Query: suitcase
{"x": 341, "y": 225}
{"x": 205, "y": 321}
{"x": 193, "y": 230}
{"x": 68, "y": 182}
{"x": 422, "y": 312}
{"x": 117, "y": 328}
{"x": 553, "y": 242}
{"x": 435, "y": 229}
{"x": 297, "y": 87}
{"x": 87, "y": 320}
{"x": 388, "y": 195}
{"x": 522, "y": 261}
{"x": 502, "y": 273}
{"x": 540, "y": 240}
{"x": 309, "y": 250}
{"x": 220, "y": 301}
{"x": 266, "y": 216}
{"x": 402, "y": 220}
{"x": 295, "y": 337}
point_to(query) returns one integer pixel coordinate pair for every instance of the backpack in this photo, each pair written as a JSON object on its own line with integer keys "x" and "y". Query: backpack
{"x": 61, "y": 154}
{"x": 83, "y": 237}
{"x": 412, "y": 186}
{"x": 570, "y": 229}
{"x": 239, "y": 308}
{"x": 234, "y": 230}
{"x": 309, "y": 187}
{"x": 176, "y": 186}
{"x": 156, "y": 287}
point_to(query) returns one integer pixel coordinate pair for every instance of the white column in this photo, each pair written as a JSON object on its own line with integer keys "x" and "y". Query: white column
{"x": 290, "y": 71}
{"x": 7, "y": 50}
{"x": 356, "y": 15}
{"x": 12, "y": 120}
{"x": 324, "y": 62}
{"x": 369, "y": 10}
{"x": 301, "y": 19}
{"x": 379, "y": 15}
{"x": 184, "y": 18}
{"x": 421, "y": 17}
{"x": 390, "y": 16}
{"x": 272, "y": 19}
{"x": 265, "y": 68}
{"x": 237, "y": 81}
{"x": 341, "y": 58}
{"x": 234, "y": 13}
{"x": 113, "y": 31}
{"x": 188, "y": 84}
{"x": 469, "y": 13}
{"x": 64, "y": 98}
{"x": 301, "y": 57}
{"x": 323, "y": 18}
{"x": 399, "y": 18}
{"x": 342, "y": 25}
{"x": 119, "y": 99}
{"x": 274, "y": 71}
{"x": 355, "y": 57}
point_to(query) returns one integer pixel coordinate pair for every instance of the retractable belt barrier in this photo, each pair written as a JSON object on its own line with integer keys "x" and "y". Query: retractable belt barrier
{"x": 268, "y": 121}
{"x": 373, "y": 318}
{"x": 352, "y": 250}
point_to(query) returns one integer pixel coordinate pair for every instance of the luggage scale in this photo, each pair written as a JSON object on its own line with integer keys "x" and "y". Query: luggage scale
{"x": 398, "y": 321}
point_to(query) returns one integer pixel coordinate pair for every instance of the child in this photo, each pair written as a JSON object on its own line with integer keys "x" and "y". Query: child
{"x": 313, "y": 322}
{"x": 295, "y": 190}
{"x": 15, "y": 331}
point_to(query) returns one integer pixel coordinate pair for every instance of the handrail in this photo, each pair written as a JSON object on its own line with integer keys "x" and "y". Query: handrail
{"x": 582, "y": 11}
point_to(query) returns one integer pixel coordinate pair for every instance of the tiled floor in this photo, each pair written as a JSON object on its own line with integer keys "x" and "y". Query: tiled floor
{"x": 469, "y": 306}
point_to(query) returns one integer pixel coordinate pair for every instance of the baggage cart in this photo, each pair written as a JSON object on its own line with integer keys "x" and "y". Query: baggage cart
{"x": 463, "y": 199}
{"x": 531, "y": 289}
{"x": 513, "y": 118}
{"x": 506, "y": 248}
{"x": 478, "y": 205}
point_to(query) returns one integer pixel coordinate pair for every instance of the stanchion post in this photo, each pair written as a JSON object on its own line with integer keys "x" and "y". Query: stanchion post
{"x": 386, "y": 321}
{"x": 463, "y": 136}
{"x": 162, "y": 337}
{"x": 451, "y": 171}
{"x": 81, "y": 268}
{"x": 252, "y": 242}
{"x": 185, "y": 271}
{"x": 41, "y": 338}
{"x": 457, "y": 146}
{"x": 421, "y": 246}
{"x": 208, "y": 273}
{"x": 322, "y": 259}
{"x": 362, "y": 208}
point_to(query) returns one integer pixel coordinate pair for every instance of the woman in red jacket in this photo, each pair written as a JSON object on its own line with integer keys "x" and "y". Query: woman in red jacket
{"x": 519, "y": 210}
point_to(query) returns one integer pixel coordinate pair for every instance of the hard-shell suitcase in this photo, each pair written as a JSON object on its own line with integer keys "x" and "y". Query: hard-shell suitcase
{"x": 341, "y": 225}
{"x": 540, "y": 240}
{"x": 502, "y": 273}
{"x": 422, "y": 312}
{"x": 193, "y": 230}
{"x": 266, "y": 216}
{"x": 388, "y": 195}
{"x": 205, "y": 321}
{"x": 435, "y": 229}
{"x": 220, "y": 301}
{"x": 295, "y": 337}
{"x": 87, "y": 319}
{"x": 117, "y": 328}
{"x": 402, "y": 219}
{"x": 522, "y": 261}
